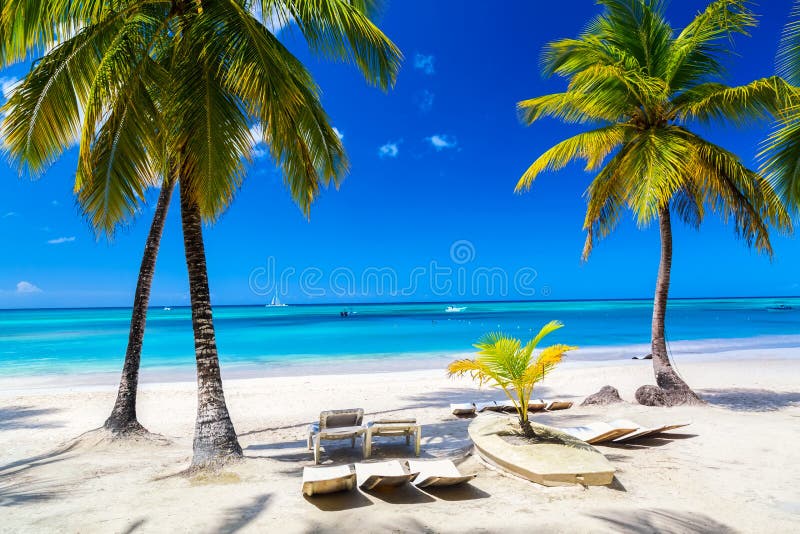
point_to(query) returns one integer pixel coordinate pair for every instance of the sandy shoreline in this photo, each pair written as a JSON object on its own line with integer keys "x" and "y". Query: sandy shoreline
{"x": 734, "y": 469}
{"x": 710, "y": 350}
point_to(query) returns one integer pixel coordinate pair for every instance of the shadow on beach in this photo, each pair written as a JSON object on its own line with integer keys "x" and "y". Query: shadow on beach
{"x": 657, "y": 520}
{"x": 750, "y": 400}
{"x": 17, "y": 417}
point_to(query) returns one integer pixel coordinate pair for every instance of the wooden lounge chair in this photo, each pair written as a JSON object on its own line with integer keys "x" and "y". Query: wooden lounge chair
{"x": 536, "y": 405}
{"x": 392, "y": 428}
{"x": 558, "y": 405}
{"x": 496, "y": 406}
{"x": 462, "y": 408}
{"x": 336, "y": 424}
{"x": 643, "y": 431}
{"x": 437, "y": 473}
{"x": 320, "y": 480}
{"x": 382, "y": 475}
{"x": 599, "y": 432}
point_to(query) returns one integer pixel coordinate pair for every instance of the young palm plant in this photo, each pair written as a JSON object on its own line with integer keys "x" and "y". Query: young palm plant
{"x": 640, "y": 85}
{"x": 171, "y": 90}
{"x": 504, "y": 362}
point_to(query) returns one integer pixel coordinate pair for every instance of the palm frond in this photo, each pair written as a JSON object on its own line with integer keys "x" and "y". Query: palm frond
{"x": 696, "y": 50}
{"x": 341, "y": 29}
{"x": 788, "y": 58}
{"x": 593, "y": 146}
{"x": 756, "y": 101}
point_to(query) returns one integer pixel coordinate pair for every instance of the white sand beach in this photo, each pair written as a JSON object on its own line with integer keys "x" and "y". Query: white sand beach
{"x": 734, "y": 469}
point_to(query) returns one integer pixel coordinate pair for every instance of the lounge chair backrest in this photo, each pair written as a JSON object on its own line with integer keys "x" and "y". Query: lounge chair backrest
{"x": 340, "y": 418}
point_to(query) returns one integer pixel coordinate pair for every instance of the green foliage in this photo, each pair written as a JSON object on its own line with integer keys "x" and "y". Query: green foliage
{"x": 640, "y": 85}
{"x": 506, "y": 363}
{"x": 155, "y": 90}
{"x": 781, "y": 151}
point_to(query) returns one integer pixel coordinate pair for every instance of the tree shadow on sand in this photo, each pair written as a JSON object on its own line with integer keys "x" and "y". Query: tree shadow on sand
{"x": 17, "y": 417}
{"x": 238, "y": 517}
{"x": 750, "y": 400}
{"x": 659, "y": 520}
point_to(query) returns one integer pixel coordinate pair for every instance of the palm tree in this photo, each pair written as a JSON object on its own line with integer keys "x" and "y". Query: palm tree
{"x": 172, "y": 89}
{"x": 123, "y": 421}
{"x": 505, "y": 363}
{"x": 781, "y": 153}
{"x": 640, "y": 85}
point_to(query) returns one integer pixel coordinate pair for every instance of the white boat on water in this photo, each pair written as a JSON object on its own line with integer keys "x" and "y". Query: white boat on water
{"x": 275, "y": 302}
{"x": 455, "y": 309}
{"x": 167, "y": 308}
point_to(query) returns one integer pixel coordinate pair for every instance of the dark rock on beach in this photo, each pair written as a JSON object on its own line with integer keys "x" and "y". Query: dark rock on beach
{"x": 652, "y": 396}
{"x": 606, "y": 395}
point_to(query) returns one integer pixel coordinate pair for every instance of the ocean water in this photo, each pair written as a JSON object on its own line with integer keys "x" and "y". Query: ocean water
{"x": 37, "y": 342}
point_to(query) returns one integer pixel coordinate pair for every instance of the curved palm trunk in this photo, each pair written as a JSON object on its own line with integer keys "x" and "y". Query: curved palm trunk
{"x": 215, "y": 439}
{"x": 678, "y": 392}
{"x": 122, "y": 420}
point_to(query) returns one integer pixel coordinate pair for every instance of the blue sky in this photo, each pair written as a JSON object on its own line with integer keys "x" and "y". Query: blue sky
{"x": 428, "y": 211}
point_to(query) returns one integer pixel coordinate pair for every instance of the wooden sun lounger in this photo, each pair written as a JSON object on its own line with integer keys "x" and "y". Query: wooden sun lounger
{"x": 599, "y": 432}
{"x": 336, "y": 424}
{"x": 393, "y": 428}
{"x": 642, "y": 431}
{"x": 558, "y": 405}
{"x": 462, "y": 408}
{"x": 382, "y": 475}
{"x": 437, "y": 473}
{"x": 321, "y": 480}
{"x": 536, "y": 405}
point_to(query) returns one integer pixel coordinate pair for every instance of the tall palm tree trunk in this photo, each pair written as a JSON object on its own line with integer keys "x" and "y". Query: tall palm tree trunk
{"x": 215, "y": 439}
{"x": 677, "y": 391}
{"x": 122, "y": 420}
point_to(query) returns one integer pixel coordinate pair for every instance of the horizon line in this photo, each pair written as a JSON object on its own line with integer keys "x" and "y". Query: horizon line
{"x": 407, "y": 303}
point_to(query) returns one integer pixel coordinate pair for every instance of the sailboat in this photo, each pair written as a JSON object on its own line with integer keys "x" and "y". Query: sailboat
{"x": 275, "y": 302}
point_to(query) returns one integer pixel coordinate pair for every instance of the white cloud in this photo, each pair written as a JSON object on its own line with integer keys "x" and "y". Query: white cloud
{"x": 389, "y": 150}
{"x": 59, "y": 240}
{"x": 424, "y": 63}
{"x": 258, "y": 146}
{"x": 339, "y": 134}
{"x": 55, "y": 203}
{"x": 24, "y": 287}
{"x": 7, "y": 86}
{"x": 441, "y": 142}
{"x": 424, "y": 100}
{"x": 9, "y": 214}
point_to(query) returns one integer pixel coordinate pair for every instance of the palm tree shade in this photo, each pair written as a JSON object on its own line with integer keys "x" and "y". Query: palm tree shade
{"x": 639, "y": 85}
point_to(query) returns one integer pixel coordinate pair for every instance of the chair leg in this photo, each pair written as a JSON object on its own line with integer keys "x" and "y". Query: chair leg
{"x": 316, "y": 449}
{"x": 352, "y": 442}
{"x": 367, "y": 437}
{"x": 309, "y": 440}
{"x": 408, "y": 438}
{"x": 417, "y": 437}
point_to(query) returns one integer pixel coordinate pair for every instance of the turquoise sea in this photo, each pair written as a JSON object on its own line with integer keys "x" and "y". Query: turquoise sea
{"x": 54, "y": 341}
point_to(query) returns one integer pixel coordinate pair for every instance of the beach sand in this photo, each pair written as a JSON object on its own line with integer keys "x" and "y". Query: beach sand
{"x": 735, "y": 468}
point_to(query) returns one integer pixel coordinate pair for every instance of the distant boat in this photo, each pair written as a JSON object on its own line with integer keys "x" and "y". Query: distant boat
{"x": 167, "y": 308}
{"x": 275, "y": 302}
{"x": 455, "y": 309}
{"x": 780, "y": 307}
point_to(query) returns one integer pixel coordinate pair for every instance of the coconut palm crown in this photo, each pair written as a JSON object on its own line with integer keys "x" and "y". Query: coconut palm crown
{"x": 177, "y": 92}
{"x": 639, "y": 86}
